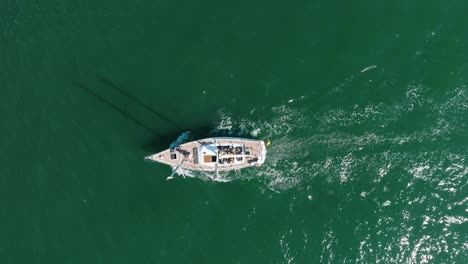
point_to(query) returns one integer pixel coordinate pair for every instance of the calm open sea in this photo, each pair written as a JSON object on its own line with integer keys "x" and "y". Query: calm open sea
{"x": 365, "y": 102}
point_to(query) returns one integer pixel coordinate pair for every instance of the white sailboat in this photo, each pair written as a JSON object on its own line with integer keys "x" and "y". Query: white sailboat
{"x": 214, "y": 154}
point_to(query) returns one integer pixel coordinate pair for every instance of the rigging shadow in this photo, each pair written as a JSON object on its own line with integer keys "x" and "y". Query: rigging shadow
{"x": 157, "y": 140}
{"x": 135, "y": 99}
{"x": 163, "y": 142}
{"x": 116, "y": 108}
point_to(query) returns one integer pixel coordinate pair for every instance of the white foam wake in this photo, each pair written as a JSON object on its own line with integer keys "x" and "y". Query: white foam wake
{"x": 307, "y": 145}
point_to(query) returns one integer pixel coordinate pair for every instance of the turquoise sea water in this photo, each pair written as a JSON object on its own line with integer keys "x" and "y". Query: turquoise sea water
{"x": 365, "y": 102}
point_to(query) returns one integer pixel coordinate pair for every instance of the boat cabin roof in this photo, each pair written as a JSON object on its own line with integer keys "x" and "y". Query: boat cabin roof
{"x": 223, "y": 154}
{"x": 208, "y": 149}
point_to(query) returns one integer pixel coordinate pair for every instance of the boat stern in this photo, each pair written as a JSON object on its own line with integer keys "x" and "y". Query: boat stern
{"x": 263, "y": 151}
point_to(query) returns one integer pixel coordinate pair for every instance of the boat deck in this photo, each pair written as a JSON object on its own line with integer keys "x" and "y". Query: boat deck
{"x": 187, "y": 155}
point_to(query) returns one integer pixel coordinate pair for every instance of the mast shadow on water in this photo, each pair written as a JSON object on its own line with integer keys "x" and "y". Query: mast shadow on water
{"x": 158, "y": 139}
{"x": 139, "y": 102}
{"x": 116, "y": 108}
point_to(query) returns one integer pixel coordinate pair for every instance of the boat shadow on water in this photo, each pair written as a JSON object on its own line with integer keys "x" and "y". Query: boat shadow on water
{"x": 161, "y": 142}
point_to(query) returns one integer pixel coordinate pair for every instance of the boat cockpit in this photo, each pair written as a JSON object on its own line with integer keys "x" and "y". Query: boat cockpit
{"x": 226, "y": 154}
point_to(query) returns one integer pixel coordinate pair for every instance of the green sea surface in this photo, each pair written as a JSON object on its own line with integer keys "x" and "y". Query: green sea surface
{"x": 365, "y": 102}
